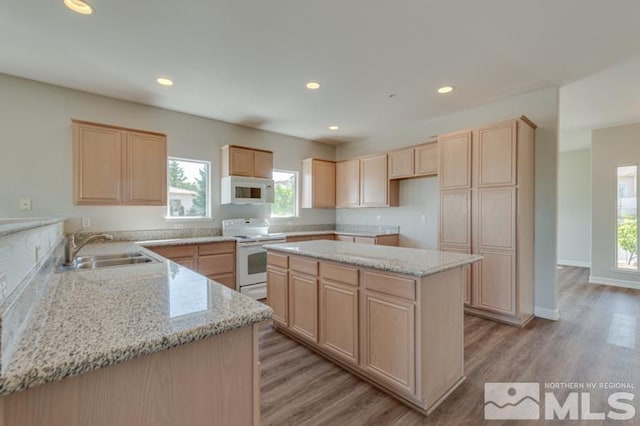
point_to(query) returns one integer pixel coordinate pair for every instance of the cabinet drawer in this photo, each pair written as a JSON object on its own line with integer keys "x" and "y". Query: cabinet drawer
{"x": 322, "y": 237}
{"x": 303, "y": 265}
{"x": 173, "y": 252}
{"x": 217, "y": 248}
{"x": 280, "y": 260}
{"x": 339, "y": 274}
{"x": 298, "y": 239}
{"x": 217, "y": 264}
{"x": 389, "y": 284}
{"x": 187, "y": 262}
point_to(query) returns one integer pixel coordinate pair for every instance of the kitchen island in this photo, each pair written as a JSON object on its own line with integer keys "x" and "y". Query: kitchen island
{"x": 393, "y": 316}
{"x": 147, "y": 344}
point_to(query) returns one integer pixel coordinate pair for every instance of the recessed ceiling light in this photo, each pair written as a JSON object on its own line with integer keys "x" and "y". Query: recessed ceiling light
{"x": 446, "y": 89}
{"x": 79, "y": 6}
{"x": 313, "y": 85}
{"x": 333, "y": 127}
{"x": 165, "y": 82}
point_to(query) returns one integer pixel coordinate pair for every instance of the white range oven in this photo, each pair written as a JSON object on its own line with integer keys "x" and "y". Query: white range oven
{"x": 251, "y": 256}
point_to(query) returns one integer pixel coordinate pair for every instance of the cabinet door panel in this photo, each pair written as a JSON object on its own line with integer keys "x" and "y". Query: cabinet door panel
{"x": 348, "y": 184}
{"x": 228, "y": 280}
{"x": 98, "y": 164}
{"x": 263, "y": 164}
{"x": 217, "y": 264}
{"x": 454, "y": 158}
{"x": 455, "y": 217}
{"x": 240, "y": 162}
{"x": 339, "y": 319}
{"x": 389, "y": 338}
{"x": 426, "y": 159}
{"x": 401, "y": 163}
{"x": 374, "y": 185}
{"x": 496, "y": 218}
{"x": 496, "y": 155}
{"x": 146, "y": 169}
{"x": 324, "y": 183}
{"x": 278, "y": 294}
{"x": 496, "y": 281}
{"x": 303, "y": 306}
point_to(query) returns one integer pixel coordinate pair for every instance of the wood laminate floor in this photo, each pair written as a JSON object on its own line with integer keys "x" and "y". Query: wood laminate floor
{"x": 596, "y": 340}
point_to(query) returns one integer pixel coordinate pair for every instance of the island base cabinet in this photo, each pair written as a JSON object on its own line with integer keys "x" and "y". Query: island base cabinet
{"x": 339, "y": 319}
{"x": 389, "y": 340}
{"x": 213, "y": 381}
{"x": 303, "y": 305}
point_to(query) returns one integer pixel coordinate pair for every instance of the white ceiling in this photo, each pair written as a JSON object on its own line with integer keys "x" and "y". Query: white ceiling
{"x": 247, "y": 61}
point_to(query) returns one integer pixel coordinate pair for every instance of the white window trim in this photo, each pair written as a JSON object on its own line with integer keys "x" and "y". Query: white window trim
{"x": 209, "y": 217}
{"x": 296, "y": 201}
{"x": 616, "y": 268}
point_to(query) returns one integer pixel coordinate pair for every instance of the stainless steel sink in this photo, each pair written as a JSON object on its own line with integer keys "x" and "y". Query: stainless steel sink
{"x": 108, "y": 261}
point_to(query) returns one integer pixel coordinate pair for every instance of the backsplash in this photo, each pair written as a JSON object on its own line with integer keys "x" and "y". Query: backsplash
{"x": 368, "y": 229}
{"x": 276, "y": 228}
{"x": 155, "y": 234}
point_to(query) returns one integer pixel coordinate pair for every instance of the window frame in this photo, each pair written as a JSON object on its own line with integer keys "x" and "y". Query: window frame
{"x": 209, "y": 213}
{"x": 615, "y": 239}
{"x": 296, "y": 174}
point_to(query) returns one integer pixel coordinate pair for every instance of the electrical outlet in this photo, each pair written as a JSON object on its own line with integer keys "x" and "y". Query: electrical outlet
{"x": 86, "y": 222}
{"x": 379, "y": 219}
{"x": 178, "y": 226}
{"x": 38, "y": 251}
{"x": 3, "y": 285}
{"x": 25, "y": 203}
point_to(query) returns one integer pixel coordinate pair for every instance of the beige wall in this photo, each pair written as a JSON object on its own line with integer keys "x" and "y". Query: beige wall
{"x": 611, "y": 147}
{"x": 574, "y": 208}
{"x": 36, "y": 154}
{"x": 541, "y": 106}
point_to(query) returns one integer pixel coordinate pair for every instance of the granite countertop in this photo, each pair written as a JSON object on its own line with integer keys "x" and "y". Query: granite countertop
{"x": 184, "y": 241}
{"x": 10, "y": 226}
{"x": 402, "y": 260}
{"x": 92, "y": 319}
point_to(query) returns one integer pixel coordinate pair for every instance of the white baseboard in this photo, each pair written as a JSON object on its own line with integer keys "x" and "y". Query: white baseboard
{"x": 579, "y": 263}
{"x": 614, "y": 282}
{"x": 551, "y": 314}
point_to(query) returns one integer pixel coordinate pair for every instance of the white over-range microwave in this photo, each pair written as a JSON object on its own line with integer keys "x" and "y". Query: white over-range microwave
{"x": 245, "y": 190}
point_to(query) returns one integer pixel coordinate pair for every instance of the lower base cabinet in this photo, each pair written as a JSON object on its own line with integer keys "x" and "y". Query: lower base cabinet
{"x": 401, "y": 332}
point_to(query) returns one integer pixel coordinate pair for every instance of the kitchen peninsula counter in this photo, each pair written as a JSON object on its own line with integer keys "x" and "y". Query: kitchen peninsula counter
{"x": 392, "y": 316}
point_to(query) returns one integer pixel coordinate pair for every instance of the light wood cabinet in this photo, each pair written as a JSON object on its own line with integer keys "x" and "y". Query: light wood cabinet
{"x": 376, "y": 190}
{"x": 413, "y": 162}
{"x": 216, "y": 261}
{"x": 401, "y": 332}
{"x": 494, "y": 216}
{"x": 426, "y": 159}
{"x": 348, "y": 184}
{"x": 243, "y": 161}
{"x": 382, "y": 240}
{"x": 115, "y": 166}
{"x": 455, "y": 160}
{"x": 401, "y": 163}
{"x": 339, "y": 317}
{"x": 278, "y": 293}
{"x": 318, "y": 184}
{"x": 388, "y": 328}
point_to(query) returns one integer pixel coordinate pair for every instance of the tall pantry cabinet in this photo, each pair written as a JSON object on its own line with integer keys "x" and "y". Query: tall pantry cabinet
{"x": 487, "y": 208}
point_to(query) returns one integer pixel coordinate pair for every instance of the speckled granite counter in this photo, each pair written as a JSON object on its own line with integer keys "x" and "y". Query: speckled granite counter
{"x": 10, "y": 226}
{"x": 184, "y": 241}
{"x": 402, "y": 260}
{"x": 91, "y": 319}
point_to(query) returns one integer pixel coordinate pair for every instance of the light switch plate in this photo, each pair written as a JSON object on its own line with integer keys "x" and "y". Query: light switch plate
{"x": 86, "y": 222}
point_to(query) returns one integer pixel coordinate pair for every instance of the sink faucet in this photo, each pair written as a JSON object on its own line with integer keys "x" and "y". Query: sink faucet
{"x": 71, "y": 249}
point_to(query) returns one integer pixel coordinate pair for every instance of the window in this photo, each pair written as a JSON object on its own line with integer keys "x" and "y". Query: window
{"x": 285, "y": 200}
{"x": 627, "y": 218}
{"x": 189, "y": 193}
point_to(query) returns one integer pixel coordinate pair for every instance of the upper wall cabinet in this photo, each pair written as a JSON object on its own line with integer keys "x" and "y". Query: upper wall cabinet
{"x": 318, "y": 184}
{"x": 375, "y": 188}
{"x": 242, "y": 161}
{"x": 114, "y": 165}
{"x": 455, "y": 160}
{"x": 348, "y": 184}
{"x": 414, "y": 162}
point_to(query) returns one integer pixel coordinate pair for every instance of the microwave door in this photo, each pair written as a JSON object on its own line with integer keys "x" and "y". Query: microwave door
{"x": 248, "y": 194}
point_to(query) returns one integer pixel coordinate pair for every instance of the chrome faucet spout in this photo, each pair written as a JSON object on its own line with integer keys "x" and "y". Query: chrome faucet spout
{"x": 71, "y": 249}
